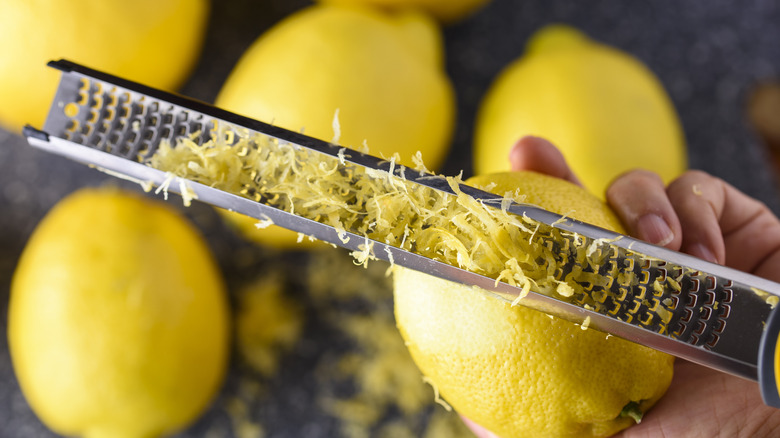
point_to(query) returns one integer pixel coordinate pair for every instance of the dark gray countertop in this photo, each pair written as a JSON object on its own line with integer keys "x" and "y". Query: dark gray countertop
{"x": 708, "y": 53}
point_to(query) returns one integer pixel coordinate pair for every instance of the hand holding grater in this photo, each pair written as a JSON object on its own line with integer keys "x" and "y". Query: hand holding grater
{"x": 673, "y": 302}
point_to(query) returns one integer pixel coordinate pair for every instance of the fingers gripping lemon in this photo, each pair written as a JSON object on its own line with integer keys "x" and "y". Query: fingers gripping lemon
{"x": 149, "y": 41}
{"x": 118, "y": 321}
{"x": 603, "y": 108}
{"x": 383, "y": 73}
{"x": 516, "y": 371}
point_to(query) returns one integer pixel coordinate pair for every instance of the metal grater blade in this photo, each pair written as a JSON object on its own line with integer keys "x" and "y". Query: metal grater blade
{"x": 711, "y": 314}
{"x": 660, "y": 298}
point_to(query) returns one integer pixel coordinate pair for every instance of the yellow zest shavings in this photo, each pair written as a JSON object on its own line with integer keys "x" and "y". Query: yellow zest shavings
{"x": 379, "y": 366}
{"x": 336, "y": 128}
{"x": 418, "y": 163}
{"x": 243, "y": 427}
{"x": 145, "y": 185}
{"x": 267, "y": 324}
{"x": 658, "y": 288}
{"x": 264, "y": 223}
{"x": 187, "y": 194}
{"x": 391, "y": 260}
{"x": 342, "y": 156}
{"x": 564, "y": 290}
{"x": 387, "y": 396}
{"x": 364, "y": 253}
{"x": 770, "y": 299}
{"x": 383, "y": 207}
{"x": 563, "y": 218}
{"x": 436, "y": 397}
{"x": 674, "y": 284}
{"x": 163, "y": 187}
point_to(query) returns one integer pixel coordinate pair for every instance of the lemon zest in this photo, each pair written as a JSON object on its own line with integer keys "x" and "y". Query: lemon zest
{"x": 336, "y": 128}
{"x": 378, "y": 205}
{"x": 436, "y": 396}
{"x": 145, "y": 185}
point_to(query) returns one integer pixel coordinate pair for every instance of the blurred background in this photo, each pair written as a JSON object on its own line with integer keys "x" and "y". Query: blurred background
{"x": 716, "y": 59}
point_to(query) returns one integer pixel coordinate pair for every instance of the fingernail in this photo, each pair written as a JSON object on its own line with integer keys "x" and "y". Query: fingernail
{"x": 654, "y": 229}
{"x": 701, "y": 251}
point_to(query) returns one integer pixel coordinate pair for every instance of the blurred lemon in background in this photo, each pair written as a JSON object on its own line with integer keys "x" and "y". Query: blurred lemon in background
{"x": 516, "y": 371}
{"x": 149, "y": 41}
{"x": 603, "y": 108}
{"x": 447, "y": 11}
{"x": 118, "y": 318}
{"x": 383, "y": 73}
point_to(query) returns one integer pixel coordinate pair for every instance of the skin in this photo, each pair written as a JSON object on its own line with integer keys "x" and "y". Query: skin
{"x": 706, "y": 217}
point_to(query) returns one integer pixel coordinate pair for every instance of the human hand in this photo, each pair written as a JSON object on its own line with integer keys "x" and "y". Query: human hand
{"x": 706, "y": 217}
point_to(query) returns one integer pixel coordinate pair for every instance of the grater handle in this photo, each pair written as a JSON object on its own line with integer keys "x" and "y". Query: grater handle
{"x": 769, "y": 361}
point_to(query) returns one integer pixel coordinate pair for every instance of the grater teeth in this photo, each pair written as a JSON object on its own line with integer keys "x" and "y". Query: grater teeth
{"x": 120, "y": 121}
{"x": 684, "y": 304}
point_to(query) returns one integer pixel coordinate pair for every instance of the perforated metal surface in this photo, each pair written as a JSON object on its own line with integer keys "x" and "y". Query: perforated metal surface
{"x": 663, "y": 299}
{"x": 684, "y": 304}
{"x": 720, "y": 316}
{"x": 119, "y": 121}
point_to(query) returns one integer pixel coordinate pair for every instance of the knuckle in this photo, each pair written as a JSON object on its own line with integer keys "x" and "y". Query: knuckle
{"x": 693, "y": 176}
{"x": 692, "y": 182}
{"x": 630, "y": 182}
{"x": 641, "y": 177}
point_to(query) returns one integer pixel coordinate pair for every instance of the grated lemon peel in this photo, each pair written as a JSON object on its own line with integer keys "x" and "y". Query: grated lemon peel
{"x": 385, "y": 387}
{"x": 585, "y": 323}
{"x": 771, "y": 299}
{"x": 187, "y": 194}
{"x": 336, "y": 128}
{"x": 146, "y": 186}
{"x": 268, "y": 324}
{"x": 264, "y": 223}
{"x": 436, "y": 396}
{"x": 383, "y": 206}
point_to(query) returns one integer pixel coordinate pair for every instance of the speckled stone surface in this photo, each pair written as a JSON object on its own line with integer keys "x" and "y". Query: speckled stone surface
{"x": 708, "y": 53}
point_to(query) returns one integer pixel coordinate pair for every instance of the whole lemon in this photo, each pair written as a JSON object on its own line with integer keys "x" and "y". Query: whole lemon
{"x": 118, "y": 318}
{"x": 603, "y": 108}
{"x": 149, "y": 41}
{"x": 383, "y": 73}
{"x": 516, "y": 371}
{"x": 447, "y": 11}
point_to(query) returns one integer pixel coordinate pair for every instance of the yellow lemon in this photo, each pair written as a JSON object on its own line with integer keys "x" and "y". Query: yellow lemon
{"x": 448, "y": 11}
{"x": 603, "y": 108}
{"x": 516, "y": 371}
{"x": 149, "y": 41}
{"x": 118, "y": 318}
{"x": 383, "y": 74}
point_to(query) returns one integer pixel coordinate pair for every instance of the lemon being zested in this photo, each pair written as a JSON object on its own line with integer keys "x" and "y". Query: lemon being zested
{"x": 604, "y": 109}
{"x": 382, "y": 73}
{"x": 118, "y": 318}
{"x": 516, "y": 371}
